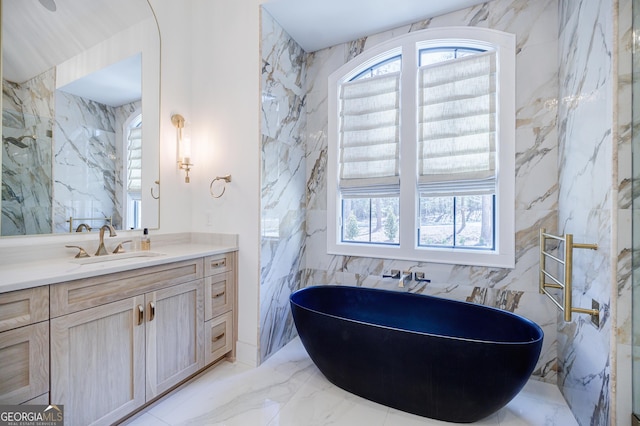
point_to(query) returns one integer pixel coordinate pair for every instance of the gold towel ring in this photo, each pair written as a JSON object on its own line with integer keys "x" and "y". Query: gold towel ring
{"x": 226, "y": 178}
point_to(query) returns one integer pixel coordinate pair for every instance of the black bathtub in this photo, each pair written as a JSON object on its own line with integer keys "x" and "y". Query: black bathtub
{"x": 438, "y": 358}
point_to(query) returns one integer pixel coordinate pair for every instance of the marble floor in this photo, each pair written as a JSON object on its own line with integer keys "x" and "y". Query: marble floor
{"x": 288, "y": 390}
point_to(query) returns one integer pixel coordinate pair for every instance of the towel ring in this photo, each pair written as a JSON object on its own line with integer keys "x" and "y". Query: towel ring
{"x": 226, "y": 178}
{"x": 152, "y": 194}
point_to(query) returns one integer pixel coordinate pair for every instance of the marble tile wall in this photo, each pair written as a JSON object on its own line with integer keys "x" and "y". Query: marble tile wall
{"x": 588, "y": 201}
{"x": 69, "y": 169}
{"x": 535, "y": 25}
{"x": 27, "y": 183}
{"x": 565, "y": 156}
{"x": 283, "y": 198}
{"x": 87, "y": 169}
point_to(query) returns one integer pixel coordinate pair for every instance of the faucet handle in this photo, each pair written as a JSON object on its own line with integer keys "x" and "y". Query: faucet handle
{"x": 420, "y": 277}
{"x": 81, "y": 253}
{"x": 395, "y": 274}
{"x": 119, "y": 248}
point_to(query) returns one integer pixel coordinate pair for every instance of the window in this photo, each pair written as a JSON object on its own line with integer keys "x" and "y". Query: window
{"x": 133, "y": 171}
{"x": 421, "y": 149}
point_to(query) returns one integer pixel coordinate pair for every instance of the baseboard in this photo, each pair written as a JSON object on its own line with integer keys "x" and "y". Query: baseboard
{"x": 635, "y": 420}
{"x": 247, "y": 354}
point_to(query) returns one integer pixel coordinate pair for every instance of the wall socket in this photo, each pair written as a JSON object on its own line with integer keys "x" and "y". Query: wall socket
{"x": 595, "y": 319}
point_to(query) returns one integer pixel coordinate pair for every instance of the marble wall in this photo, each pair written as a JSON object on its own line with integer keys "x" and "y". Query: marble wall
{"x": 88, "y": 171}
{"x": 283, "y": 183}
{"x": 27, "y": 183}
{"x": 71, "y": 168}
{"x": 288, "y": 94}
{"x": 572, "y": 105}
{"x": 535, "y": 26}
{"x": 589, "y": 200}
{"x": 84, "y": 136}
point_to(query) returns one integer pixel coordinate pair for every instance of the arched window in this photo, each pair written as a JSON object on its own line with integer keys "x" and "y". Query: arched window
{"x": 421, "y": 149}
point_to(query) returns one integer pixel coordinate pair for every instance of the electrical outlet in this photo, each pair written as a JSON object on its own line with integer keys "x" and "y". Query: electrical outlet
{"x": 595, "y": 319}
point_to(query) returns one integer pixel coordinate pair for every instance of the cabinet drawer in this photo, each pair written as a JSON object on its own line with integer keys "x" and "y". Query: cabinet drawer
{"x": 24, "y": 363}
{"x": 24, "y": 307}
{"x": 74, "y": 296}
{"x": 219, "y": 294}
{"x": 218, "y": 337}
{"x": 218, "y": 263}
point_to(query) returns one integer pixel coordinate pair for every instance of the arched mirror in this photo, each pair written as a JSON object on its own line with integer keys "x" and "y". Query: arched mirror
{"x": 80, "y": 136}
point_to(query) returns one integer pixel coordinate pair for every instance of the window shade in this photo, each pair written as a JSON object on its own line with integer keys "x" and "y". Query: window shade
{"x": 457, "y": 126}
{"x": 134, "y": 160}
{"x": 369, "y": 136}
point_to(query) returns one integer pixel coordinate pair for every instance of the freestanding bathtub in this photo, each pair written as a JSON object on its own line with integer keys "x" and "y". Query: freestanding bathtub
{"x": 439, "y": 358}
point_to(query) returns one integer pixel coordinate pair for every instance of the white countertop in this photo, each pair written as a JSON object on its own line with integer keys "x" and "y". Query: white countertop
{"x": 18, "y": 276}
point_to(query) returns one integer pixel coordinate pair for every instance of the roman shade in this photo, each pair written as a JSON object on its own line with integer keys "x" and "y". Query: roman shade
{"x": 370, "y": 136}
{"x": 457, "y": 126}
{"x": 134, "y": 160}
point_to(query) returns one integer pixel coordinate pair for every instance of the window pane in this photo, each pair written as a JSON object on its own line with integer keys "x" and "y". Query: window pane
{"x": 371, "y": 220}
{"x": 440, "y": 54}
{"x": 432, "y": 56}
{"x": 385, "y": 67}
{"x": 474, "y": 221}
{"x": 436, "y": 221}
{"x": 471, "y": 216}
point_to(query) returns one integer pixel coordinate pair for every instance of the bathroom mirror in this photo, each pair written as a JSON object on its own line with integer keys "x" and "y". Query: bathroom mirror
{"x": 80, "y": 138}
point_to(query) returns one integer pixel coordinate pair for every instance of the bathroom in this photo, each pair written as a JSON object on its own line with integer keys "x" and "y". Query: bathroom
{"x": 572, "y": 116}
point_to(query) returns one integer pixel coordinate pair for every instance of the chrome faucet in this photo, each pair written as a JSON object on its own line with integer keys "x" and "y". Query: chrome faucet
{"x": 102, "y": 250}
{"x": 83, "y": 226}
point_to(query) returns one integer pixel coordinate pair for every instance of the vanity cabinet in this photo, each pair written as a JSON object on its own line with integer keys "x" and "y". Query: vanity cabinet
{"x": 107, "y": 345}
{"x": 24, "y": 346}
{"x": 220, "y": 299}
{"x": 118, "y": 341}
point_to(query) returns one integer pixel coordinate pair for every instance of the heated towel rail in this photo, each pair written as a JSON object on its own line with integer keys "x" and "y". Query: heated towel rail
{"x": 565, "y": 282}
{"x": 71, "y": 219}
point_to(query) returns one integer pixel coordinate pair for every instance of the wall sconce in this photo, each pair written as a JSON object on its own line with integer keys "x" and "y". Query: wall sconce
{"x": 184, "y": 144}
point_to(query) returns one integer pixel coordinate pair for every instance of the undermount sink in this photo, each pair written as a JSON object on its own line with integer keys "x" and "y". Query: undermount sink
{"x": 116, "y": 256}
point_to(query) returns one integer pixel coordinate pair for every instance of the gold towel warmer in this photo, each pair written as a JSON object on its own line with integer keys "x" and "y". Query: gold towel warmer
{"x": 566, "y": 287}
{"x": 90, "y": 219}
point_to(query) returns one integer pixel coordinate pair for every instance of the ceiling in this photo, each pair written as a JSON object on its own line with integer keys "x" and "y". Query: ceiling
{"x": 35, "y": 39}
{"x": 315, "y": 24}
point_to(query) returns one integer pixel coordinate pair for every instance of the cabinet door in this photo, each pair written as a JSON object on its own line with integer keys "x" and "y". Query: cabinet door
{"x": 175, "y": 326}
{"x": 97, "y": 362}
{"x": 24, "y": 363}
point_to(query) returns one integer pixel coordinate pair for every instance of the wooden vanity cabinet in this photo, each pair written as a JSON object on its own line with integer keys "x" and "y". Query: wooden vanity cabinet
{"x": 24, "y": 346}
{"x": 220, "y": 307}
{"x": 105, "y": 346}
{"x": 108, "y": 359}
